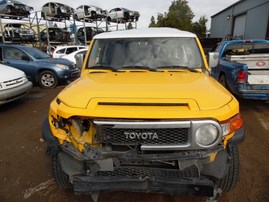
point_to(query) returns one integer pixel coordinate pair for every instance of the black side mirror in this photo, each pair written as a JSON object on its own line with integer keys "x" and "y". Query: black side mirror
{"x": 25, "y": 57}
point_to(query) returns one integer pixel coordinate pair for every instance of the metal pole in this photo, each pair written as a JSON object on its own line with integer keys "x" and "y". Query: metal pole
{"x": 85, "y": 34}
{"x": 47, "y": 30}
{"x": 38, "y": 30}
{"x": 3, "y": 37}
{"x": 75, "y": 29}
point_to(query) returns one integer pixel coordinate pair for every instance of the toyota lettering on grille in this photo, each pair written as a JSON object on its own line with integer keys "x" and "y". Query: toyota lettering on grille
{"x": 141, "y": 136}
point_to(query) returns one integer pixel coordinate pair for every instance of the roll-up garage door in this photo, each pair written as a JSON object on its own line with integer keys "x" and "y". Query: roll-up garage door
{"x": 239, "y": 26}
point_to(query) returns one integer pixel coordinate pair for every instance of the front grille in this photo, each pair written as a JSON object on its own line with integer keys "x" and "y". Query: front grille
{"x": 14, "y": 82}
{"x": 129, "y": 136}
{"x": 75, "y": 74}
{"x": 165, "y": 174}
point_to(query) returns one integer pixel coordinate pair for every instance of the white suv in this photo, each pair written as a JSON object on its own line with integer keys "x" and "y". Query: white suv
{"x": 60, "y": 51}
{"x": 13, "y": 84}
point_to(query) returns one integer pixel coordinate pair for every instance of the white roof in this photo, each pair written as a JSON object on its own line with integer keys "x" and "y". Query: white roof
{"x": 145, "y": 33}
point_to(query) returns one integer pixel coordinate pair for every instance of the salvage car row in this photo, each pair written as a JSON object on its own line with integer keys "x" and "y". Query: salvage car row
{"x": 54, "y": 10}
{"x": 24, "y": 66}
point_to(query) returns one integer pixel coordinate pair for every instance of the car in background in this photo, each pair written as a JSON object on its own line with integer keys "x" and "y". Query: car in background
{"x": 54, "y": 10}
{"x": 122, "y": 15}
{"x": 89, "y": 12}
{"x": 56, "y": 34}
{"x": 61, "y": 51}
{"x": 72, "y": 56}
{"x": 18, "y": 32}
{"x": 12, "y": 7}
{"x": 39, "y": 68}
{"x": 90, "y": 33}
{"x": 13, "y": 84}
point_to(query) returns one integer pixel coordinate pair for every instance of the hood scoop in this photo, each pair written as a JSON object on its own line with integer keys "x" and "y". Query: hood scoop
{"x": 144, "y": 104}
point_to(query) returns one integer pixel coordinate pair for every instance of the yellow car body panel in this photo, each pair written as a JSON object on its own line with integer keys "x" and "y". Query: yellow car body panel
{"x": 182, "y": 87}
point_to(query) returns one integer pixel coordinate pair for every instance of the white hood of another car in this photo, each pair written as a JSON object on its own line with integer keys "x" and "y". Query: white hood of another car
{"x": 8, "y": 73}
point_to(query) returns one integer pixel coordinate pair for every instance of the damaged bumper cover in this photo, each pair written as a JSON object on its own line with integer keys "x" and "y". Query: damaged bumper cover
{"x": 88, "y": 184}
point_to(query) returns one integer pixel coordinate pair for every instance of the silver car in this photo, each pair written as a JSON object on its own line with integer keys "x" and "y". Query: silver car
{"x": 18, "y": 32}
{"x": 16, "y": 8}
{"x": 123, "y": 15}
{"x": 54, "y": 10}
{"x": 90, "y": 12}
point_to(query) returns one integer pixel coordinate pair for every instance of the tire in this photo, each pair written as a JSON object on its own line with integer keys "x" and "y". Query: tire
{"x": 228, "y": 182}
{"x": 47, "y": 79}
{"x": 93, "y": 15}
{"x": 61, "y": 178}
{"x": 9, "y": 10}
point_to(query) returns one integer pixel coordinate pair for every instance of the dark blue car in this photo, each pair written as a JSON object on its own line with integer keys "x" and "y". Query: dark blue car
{"x": 39, "y": 68}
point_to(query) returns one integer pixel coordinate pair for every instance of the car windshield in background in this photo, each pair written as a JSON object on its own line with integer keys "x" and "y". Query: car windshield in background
{"x": 37, "y": 54}
{"x": 145, "y": 52}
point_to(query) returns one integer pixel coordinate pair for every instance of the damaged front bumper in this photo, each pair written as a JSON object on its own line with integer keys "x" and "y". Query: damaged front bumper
{"x": 88, "y": 184}
{"x": 179, "y": 172}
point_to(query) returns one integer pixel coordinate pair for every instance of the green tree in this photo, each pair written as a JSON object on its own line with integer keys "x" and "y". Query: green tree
{"x": 180, "y": 16}
{"x": 152, "y": 22}
{"x": 199, "y": 28}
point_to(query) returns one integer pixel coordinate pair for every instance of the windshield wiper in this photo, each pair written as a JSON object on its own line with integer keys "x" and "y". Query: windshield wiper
{"x": 138, "y": 67}
{"x": 177, "y": 67}
{"x": 106, "y": 67}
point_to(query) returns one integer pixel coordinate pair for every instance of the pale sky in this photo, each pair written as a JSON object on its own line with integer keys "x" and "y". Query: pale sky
{"x": 147, "y": 8}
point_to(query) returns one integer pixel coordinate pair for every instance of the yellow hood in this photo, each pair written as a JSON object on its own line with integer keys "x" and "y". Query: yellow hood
{"x": 193, "y": 90}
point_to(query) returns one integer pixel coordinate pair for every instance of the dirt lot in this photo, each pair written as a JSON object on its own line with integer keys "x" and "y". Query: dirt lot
{"x": 25, "y": 171}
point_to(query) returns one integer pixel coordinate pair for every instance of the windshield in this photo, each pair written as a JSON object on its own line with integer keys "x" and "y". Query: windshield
{"x": 37, "y": 54}
{"x": 145, "y": 52}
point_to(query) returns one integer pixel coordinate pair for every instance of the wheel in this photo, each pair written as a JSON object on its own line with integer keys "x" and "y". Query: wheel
{"x": 9, "y": 10}
{"x": 47, "y": 79}
{"x": 94, "y": 15}
{"x": 222, "y": 80}
{"x": 61, "y": 178}
{"x": 228, "y": 182}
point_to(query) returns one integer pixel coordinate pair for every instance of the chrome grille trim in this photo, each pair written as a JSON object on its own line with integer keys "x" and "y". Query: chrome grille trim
{"x": 187, "y": 144}
{"x": 145, "y": 124}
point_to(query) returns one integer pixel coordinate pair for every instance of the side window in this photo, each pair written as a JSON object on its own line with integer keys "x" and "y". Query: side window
{"x": 2, "y": 2}
{"x": 61, "y": 51}
{"x": 70, "y": 50}
{"x": 13, "y": 53}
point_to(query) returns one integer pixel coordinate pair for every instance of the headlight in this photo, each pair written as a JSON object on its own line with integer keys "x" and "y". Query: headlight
{"x": 206, "y": 135}
{"x": 24, "y": 78}
{"x": 61, "y": 66}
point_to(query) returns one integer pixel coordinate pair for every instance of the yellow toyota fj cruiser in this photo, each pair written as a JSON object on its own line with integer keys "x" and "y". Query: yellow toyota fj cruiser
{"x": 145, "y": 116}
